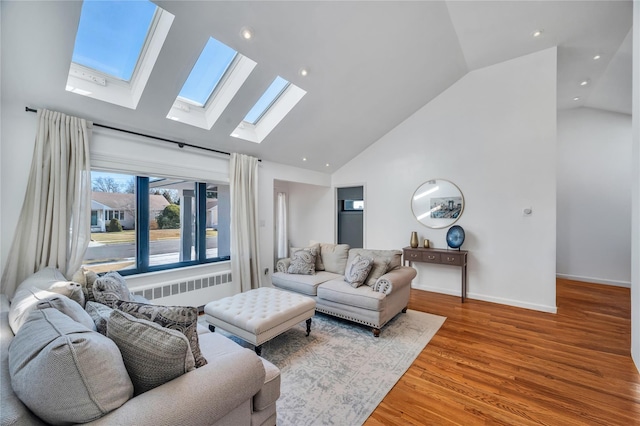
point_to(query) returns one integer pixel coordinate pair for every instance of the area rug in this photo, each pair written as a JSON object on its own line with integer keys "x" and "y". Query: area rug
{"x": 340, "y": 373}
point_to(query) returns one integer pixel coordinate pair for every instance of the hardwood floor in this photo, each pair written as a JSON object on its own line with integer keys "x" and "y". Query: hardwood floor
{"x": 495, "y": 364}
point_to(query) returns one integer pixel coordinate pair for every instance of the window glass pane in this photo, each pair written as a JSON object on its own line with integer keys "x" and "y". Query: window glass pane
{"x": 172, "y": 221}
{"x": 111, "y": 35}
{"x": 266, "y": 100}
{"x": 207, "y": 72}
{"x": 113, "y": 213}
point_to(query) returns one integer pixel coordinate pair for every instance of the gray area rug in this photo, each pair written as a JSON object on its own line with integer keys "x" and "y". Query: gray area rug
{"x": 340, "y": 373}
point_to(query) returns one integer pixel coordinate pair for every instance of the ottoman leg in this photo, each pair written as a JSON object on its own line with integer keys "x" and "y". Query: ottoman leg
{"x": 258, "y": 350}
{"x": 212, "y": 328}
{"x": 308, "y": 326}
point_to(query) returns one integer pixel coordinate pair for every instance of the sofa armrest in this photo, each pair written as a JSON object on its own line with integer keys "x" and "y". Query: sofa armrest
{"x": 206, "y": 394}
{"x": 283, "y": 265}
{"x": 394, "y": 279}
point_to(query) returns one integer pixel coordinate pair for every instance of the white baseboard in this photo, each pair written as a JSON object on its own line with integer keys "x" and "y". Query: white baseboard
{"x": 615, "y": 283}
{"x": 492, "y": 299}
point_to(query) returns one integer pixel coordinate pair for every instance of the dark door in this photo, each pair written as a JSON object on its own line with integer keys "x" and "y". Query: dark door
{"x": 350, "y": 216}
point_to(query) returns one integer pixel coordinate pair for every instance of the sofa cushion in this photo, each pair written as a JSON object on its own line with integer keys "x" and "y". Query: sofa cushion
{"x": 303, "y": 284}
{"x": 361, "y": 297}
{"x": 312, "y": 245}
{"x": 110, "y": 288}
{"x": 68, "y": 307}
{"x": 64, "y": 372}
{"x": 180, "y": 318}
{"x": 100, "y": 314}
{"x": 357, "y": 270}
{"x": 270, "y": 391}
{"x": 383, "y": 262}
{"x": 48, "y": 282}
{"x": 334, "y": 257}
{"x": 303, "y": 262}
{"x": 152, "y": 354}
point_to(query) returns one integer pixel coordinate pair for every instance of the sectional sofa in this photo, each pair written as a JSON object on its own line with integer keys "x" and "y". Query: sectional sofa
{"x": 374, "y": 301}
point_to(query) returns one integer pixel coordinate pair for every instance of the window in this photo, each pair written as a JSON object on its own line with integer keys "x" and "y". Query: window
{"x": 166, "y": 223}
{"x": 117, "y": 44}
{"x": 274, "y": 104}
{"x": 214, "y": 80}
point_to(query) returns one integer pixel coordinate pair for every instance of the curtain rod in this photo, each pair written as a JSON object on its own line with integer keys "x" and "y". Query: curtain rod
{"x": 180, "y": 144}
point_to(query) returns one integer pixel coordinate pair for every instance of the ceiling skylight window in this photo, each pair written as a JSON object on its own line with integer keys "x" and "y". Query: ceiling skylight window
{"x": 266, "y": 100}
{"x": 276, "y": 102}
{"x": 116, "y": 47}
{"x": 214, "y": 80}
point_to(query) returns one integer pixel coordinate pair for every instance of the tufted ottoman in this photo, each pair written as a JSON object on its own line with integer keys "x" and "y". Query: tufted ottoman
{"x": 259, "y": 315}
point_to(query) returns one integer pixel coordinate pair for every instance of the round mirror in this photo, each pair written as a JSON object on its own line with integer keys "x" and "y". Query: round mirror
{"x": 437, "y": 203}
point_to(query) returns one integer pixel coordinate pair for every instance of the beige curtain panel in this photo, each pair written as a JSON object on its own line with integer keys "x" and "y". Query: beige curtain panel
{"x": 243, "y": 185}
{"x": 54, "y": 228}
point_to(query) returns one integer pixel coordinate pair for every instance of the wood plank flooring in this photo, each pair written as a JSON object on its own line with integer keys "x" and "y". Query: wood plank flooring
{"x": 491, "y": 364}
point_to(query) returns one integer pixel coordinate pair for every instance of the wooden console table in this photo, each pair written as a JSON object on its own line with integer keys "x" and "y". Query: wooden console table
{"x": 439, "y": 256}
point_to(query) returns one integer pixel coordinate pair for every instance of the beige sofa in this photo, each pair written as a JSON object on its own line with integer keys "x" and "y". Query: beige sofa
{"x": 384, "y": 294}
{"x": 235, "y": 387}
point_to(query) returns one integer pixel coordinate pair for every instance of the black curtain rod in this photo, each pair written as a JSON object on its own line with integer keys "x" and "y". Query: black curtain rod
{"x": 180, "y": 144}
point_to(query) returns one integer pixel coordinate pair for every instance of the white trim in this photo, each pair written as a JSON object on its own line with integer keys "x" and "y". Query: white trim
{"x": 593, "y": 280}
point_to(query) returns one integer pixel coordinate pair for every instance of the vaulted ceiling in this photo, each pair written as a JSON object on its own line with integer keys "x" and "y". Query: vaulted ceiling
{"x": 371, "y": 63}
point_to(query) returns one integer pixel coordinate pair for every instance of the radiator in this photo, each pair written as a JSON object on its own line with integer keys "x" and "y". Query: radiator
{"x": 169, "y": 289}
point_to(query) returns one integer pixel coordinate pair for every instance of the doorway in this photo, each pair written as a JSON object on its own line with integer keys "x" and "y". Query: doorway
{"x": 351, "y": 216}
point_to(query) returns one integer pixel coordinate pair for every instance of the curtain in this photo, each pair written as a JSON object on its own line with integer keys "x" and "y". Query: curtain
{"x": 243, "y": 185}
{"x": 54, "y": 227}
{"x": 282, "y": 234}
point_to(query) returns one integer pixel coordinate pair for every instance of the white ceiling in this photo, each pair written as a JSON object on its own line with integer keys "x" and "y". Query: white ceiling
{"x": 372, "y": 63}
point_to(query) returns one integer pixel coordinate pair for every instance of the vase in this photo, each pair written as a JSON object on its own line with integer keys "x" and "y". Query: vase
{"x": 414, "y": 240}
{"x": 426, "y": 243}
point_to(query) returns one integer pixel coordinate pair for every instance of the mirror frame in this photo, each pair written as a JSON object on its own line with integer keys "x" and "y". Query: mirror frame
{"x": 428, "y": 223}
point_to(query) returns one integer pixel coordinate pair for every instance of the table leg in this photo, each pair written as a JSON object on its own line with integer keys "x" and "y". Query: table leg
{"x": 258, "y": 350}
{"x": 308, "y": 326}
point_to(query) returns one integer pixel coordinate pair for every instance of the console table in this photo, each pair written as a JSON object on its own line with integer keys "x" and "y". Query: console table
{"x": 439, "y": 256}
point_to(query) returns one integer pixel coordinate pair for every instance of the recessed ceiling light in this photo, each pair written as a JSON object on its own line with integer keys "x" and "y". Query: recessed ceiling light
{"x": 304, "y": 158}
{"x": 537, "y": 33}
{"x": 596, "y": 57}
{"x": 304, "y": 72}
{"x": 246, "y": 33}
{"x": 577, "y": 98}
{"x": 584, "y": 82}
{"x": 327, "y": 165}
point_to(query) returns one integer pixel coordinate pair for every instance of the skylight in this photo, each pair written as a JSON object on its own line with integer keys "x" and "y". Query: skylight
{"x": 111, "y": 35}
{"x": 215, "y": 59}
{"x": 266, "y": 100}
{"x": 116, "y": 47}
{"x": 214, "y": 80}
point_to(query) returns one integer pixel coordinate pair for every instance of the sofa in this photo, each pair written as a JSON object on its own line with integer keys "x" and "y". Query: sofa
{"x": 82, "y": 376}
{"x": 365, "y": 286}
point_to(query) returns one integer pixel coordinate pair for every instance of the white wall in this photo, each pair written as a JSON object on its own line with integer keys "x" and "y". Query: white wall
{"x": 594, "y": 196}
{"x": 635, "y": 193}
{"x": 493, "y": 133}
{"x": 311, "y": 214}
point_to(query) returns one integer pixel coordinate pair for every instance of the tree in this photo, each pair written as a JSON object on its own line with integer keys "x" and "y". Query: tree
{"x": 169, "y": 218}
{"x": 105, "y": 184}
{"x": 130, "y": 186}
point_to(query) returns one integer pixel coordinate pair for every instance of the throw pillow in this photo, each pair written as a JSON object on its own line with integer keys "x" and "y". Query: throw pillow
{"x": 64, "y": 372}
{"x": 68, "y": 307}
{"x": 383, "y": 262}
{"x": 153, "y": 355}
{"x": 303, "y": 262}
{"x": 180, "y": 318}
{"x": 334, "y": 257}
{"x": 110, "y": 288}
{"x": 86, "y": 278}
{"x": 100, "y": 314}
{"x": 357, "y": 270}
{"x": 312, "y": 245}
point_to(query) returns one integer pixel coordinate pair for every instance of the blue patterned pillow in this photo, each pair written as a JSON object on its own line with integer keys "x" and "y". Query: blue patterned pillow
{"x": 303, "y": 262}
{"x": 357, "y": 270}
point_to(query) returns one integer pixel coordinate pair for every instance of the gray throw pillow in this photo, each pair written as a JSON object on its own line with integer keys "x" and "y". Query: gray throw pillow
{"x": 110, "y": 288}
{"x": 153, "y": 355}
{"x": 357, "y": 270}
{"x": 64, "y": 372}
{"x": 303, "y": 262}
{"x": 312, "y": 245}
{"x": 180, "y": 318}
{"x": 100, "y": 314}
{"x": 68, "y": 307}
